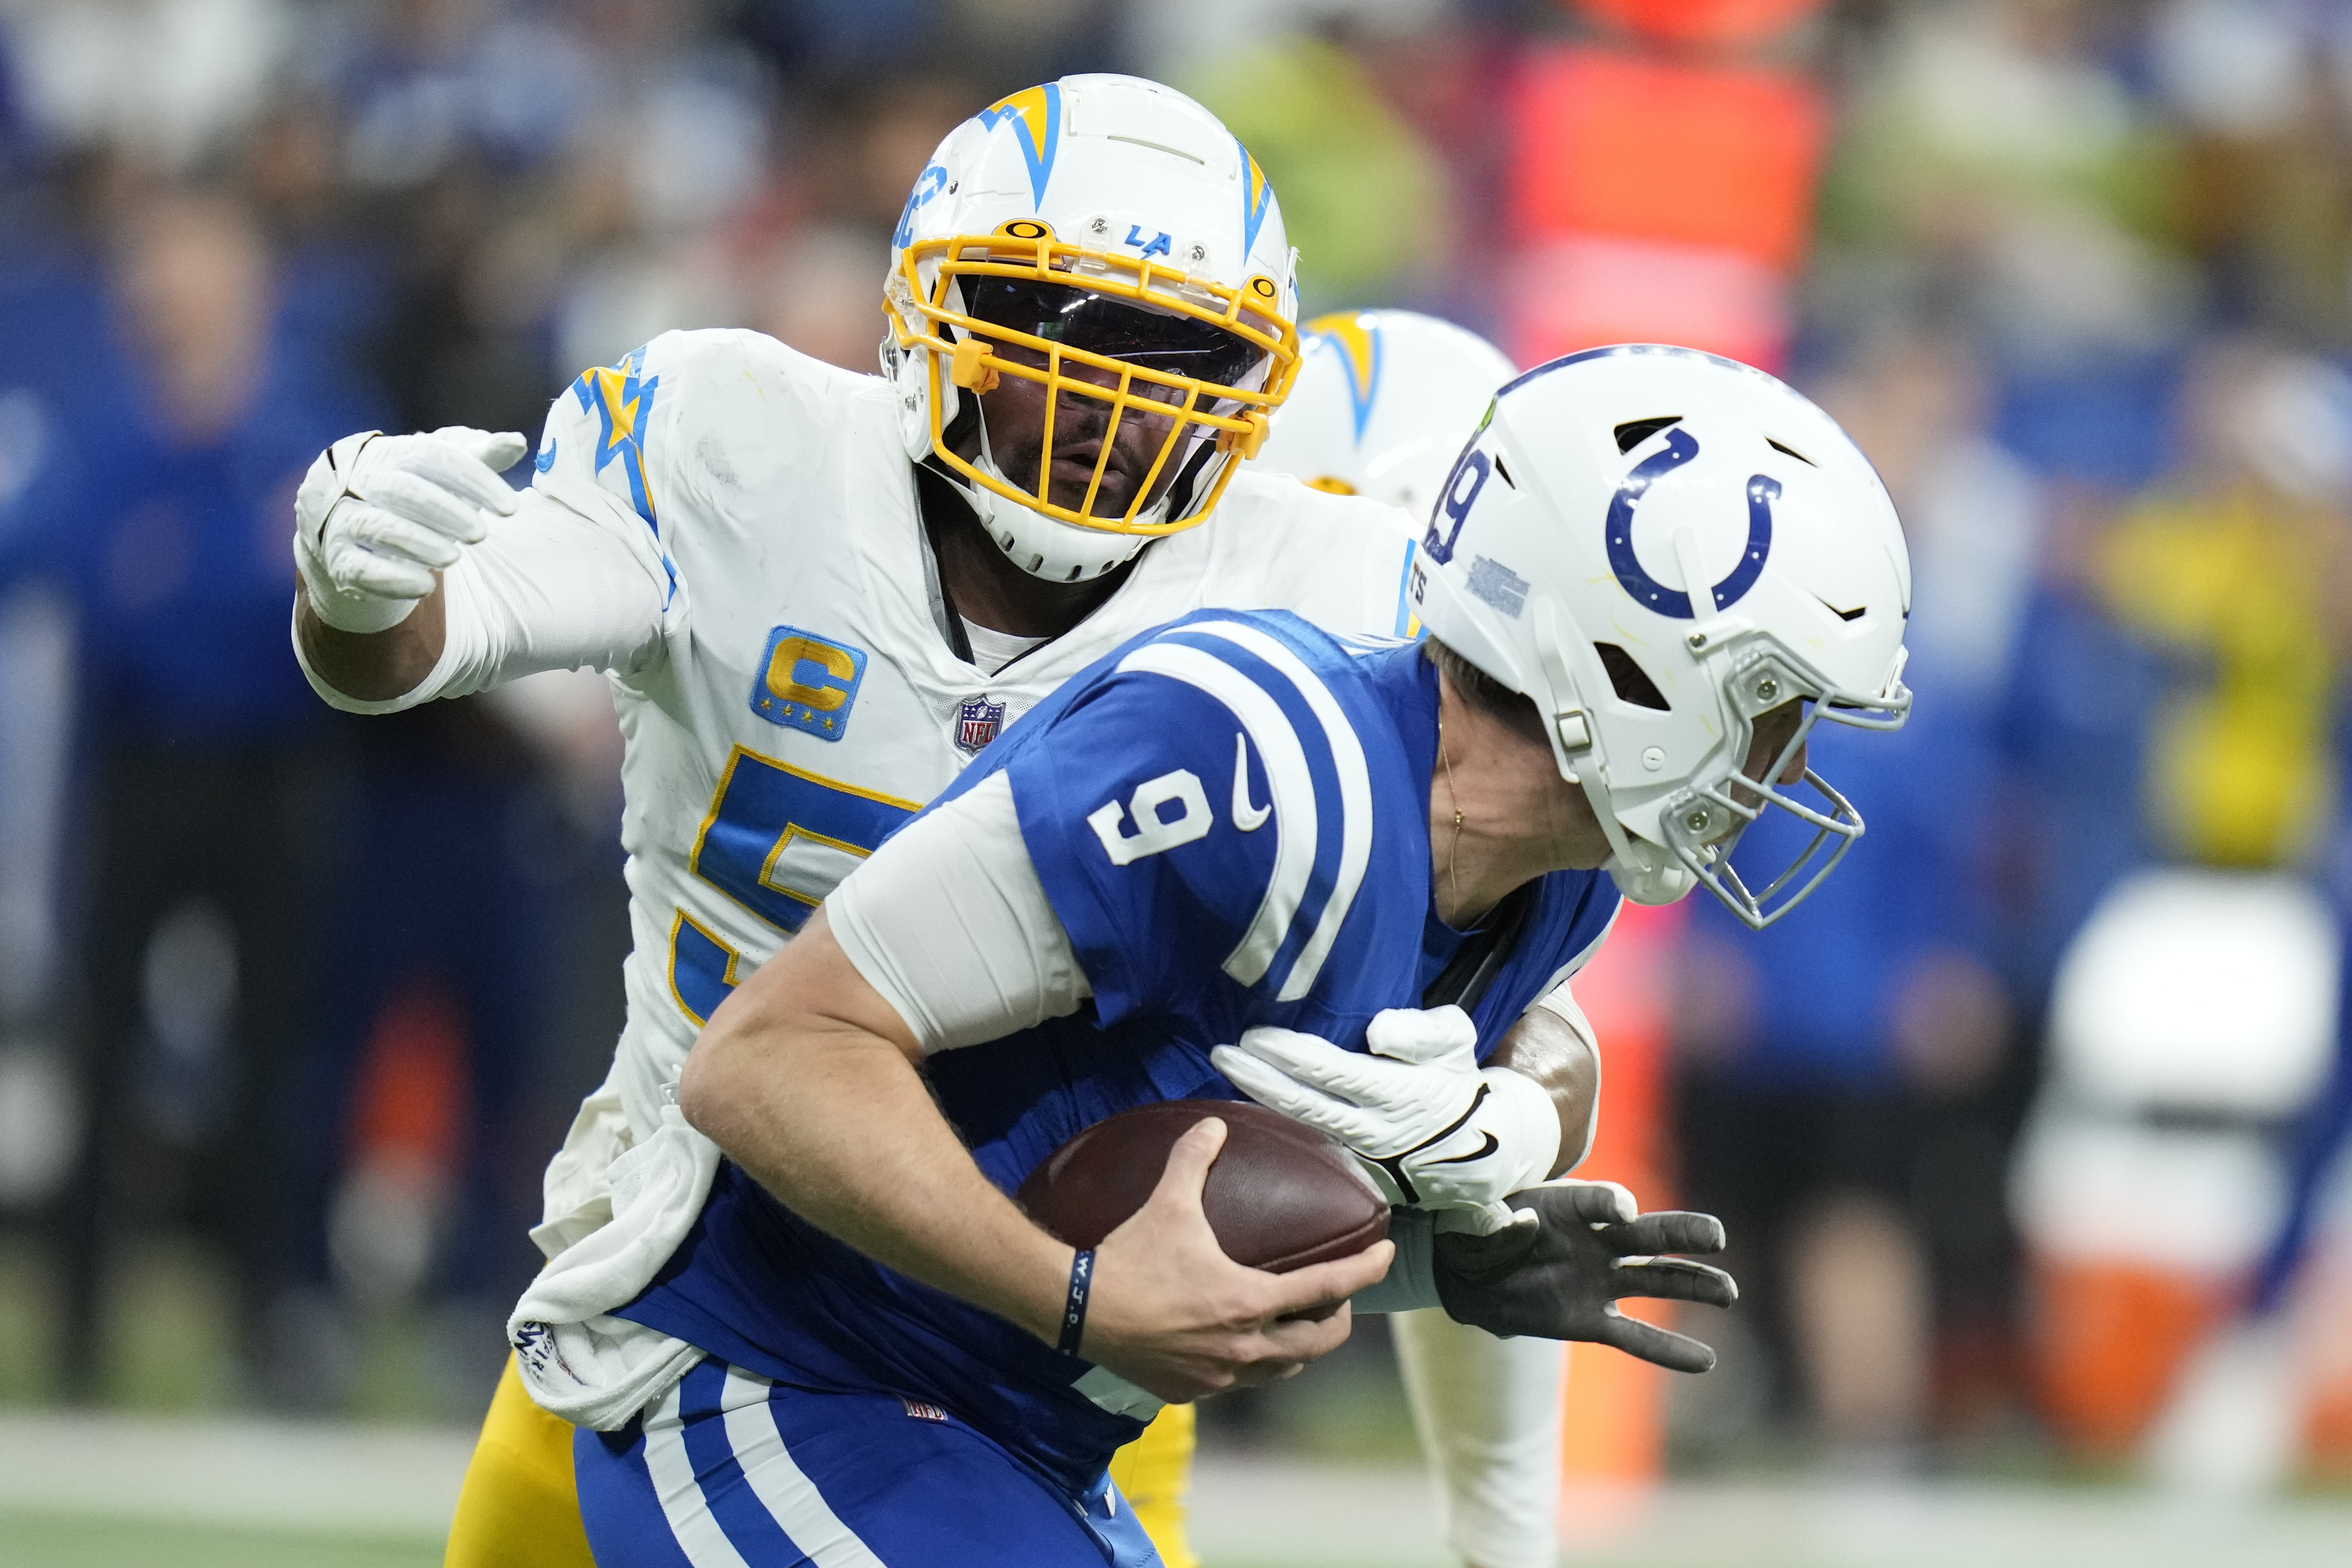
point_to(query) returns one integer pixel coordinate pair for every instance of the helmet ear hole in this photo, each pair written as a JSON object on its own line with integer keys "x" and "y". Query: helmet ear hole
{"x": 1633, "y": 432}
{"x": 1632, "y": 683}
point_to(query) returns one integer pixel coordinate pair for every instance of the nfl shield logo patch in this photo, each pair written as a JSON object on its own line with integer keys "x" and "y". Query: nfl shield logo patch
{"x": 977, "y": 722}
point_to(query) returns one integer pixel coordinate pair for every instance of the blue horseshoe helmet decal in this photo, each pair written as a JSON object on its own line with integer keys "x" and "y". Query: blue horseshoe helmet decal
{"x": 1762, "y": 491}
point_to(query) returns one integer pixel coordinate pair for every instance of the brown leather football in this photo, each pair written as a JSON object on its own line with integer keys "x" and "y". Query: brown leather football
{"x": 1280, "y": 1197}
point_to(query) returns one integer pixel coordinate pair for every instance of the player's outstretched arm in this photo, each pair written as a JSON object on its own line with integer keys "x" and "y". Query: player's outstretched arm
{"x": 424, "y": 575}
{"x": 806, "y": 1077}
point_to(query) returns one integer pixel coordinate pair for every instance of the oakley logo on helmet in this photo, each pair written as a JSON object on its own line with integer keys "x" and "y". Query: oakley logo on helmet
{"x": 1762, "y": 491}
{"x": 1455, "y": 504}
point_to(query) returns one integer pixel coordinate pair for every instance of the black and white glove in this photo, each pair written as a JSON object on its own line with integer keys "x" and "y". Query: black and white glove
{"x": 1433, "y": 1128}
{"x": 1561, "y": 1278}
{"x": 377, "y": 515}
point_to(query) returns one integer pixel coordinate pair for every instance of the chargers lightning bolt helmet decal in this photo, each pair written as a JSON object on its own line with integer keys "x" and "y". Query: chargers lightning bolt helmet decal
{"x": 1036, "y": 116}
{"x": 1381, "y": 402}
{"x": 1667, "y": 551}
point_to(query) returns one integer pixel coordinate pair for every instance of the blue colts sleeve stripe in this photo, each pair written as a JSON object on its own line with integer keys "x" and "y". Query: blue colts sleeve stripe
{"x": 1346, "y": 755}
{"x": 1287, "y": 777}
{"x": 1290, "y": 775}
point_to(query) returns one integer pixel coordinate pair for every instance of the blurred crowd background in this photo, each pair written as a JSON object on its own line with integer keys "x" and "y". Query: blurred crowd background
{"x": 2025, "y": 1127}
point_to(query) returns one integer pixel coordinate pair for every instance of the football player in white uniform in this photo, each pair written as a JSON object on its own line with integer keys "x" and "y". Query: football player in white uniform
{"x": 1382, "y": 400}
{"x": 816, "y": 595}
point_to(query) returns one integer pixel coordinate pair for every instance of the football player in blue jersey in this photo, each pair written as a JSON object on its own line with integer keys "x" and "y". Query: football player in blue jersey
{"x": 1238, "y": 855}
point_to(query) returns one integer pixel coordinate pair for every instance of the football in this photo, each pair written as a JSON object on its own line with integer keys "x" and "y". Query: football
{"x": 1280, "y": 1197}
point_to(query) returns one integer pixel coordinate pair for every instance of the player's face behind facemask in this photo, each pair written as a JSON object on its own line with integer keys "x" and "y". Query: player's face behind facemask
{"x": 1088, "y": 409}
{"x": 1776, "y": 755}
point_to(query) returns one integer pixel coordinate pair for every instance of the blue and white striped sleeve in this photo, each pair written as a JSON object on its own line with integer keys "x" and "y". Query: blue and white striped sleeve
{"x": 1203, "y": 810}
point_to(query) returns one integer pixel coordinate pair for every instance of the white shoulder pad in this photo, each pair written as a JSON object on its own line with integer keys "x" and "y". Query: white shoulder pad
{"x": 673, "y": 433}
{"x": 1337, "y": 561}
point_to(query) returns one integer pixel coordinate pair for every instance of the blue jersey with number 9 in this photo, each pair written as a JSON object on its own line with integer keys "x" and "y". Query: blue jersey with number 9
{"x": 1229, "y": 819}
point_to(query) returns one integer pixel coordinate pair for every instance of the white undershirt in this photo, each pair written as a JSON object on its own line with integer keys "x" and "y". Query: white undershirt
{"x": 992, "y": 650}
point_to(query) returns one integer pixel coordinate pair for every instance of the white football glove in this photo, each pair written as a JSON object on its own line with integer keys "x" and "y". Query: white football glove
{"x": 377, "y": 515}
{"x": 1436, "y": 1131}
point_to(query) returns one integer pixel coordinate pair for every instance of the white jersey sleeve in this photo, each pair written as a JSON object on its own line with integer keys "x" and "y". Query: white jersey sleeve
{"x": 950, "y": 924}
{"x": 579, "y": 575}
{"x": 550, "y": 589}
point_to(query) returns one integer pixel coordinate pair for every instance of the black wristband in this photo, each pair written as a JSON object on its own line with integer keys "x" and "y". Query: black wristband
{"x": 1074, "y": 1311}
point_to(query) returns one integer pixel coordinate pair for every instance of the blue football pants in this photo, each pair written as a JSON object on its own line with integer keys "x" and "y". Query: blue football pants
{"x": 730, "y": 1470}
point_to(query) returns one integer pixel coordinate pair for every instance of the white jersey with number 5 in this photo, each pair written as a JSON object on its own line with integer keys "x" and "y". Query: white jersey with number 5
{"x": 731, "y": 531}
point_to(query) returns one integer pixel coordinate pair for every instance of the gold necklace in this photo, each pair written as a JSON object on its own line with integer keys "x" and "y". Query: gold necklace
{"x": 1453, "y": 844}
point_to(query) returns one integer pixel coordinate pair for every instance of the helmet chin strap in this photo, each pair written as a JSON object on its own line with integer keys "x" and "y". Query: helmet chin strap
{"x": 1659, "y": 884}
{"x": 1643, "y": 872}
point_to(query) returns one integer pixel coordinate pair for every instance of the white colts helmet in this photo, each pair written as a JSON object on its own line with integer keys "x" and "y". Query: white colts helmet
{"x": 1658, "y": 546}
{"x": 1108, "y": 239}
{"x": 1383, "y": 400}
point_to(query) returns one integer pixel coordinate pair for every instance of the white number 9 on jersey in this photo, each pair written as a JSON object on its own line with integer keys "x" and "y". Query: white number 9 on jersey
{"x": 1153, "y": 834}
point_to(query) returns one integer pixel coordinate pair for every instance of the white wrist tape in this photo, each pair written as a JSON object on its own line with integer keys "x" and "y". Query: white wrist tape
{"x": 1411, "y": 1282}
{"x": 322, "y": 489}
{"x": 348, "y": 610}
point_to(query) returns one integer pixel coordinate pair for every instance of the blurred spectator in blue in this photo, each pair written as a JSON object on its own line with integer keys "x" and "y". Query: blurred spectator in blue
{"x": 2072, "y": 730}
{"x": 206, "y": 764}
{"x": 548, "y": 182}
{"x": 2196, "y": 627}
{"x": 1837, "y": 1068}
{"x": 492, "y": 909}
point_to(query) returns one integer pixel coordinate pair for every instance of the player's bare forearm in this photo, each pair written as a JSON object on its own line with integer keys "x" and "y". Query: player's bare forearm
{"x": 1545, "y": 1046}
{"x": 805, "y": 1077}
{"x": 374, "y": 667}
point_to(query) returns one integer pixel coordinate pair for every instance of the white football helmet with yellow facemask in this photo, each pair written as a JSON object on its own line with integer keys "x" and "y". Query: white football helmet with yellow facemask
{"x": 1382, "y": 403}
{"x": 1673, "y": 553}
{"x": 1108, "y": 241}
